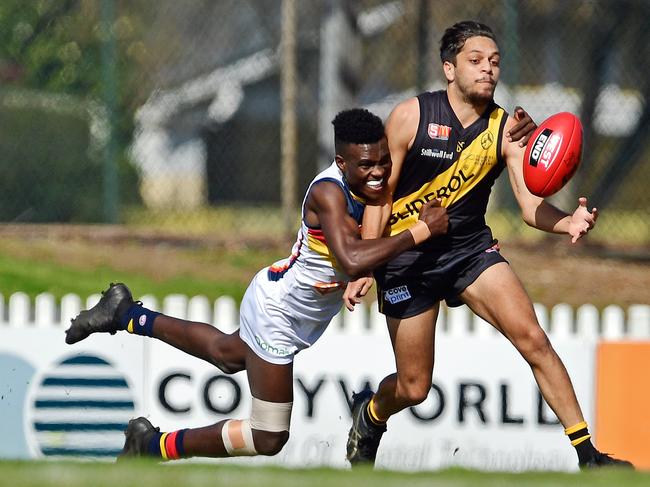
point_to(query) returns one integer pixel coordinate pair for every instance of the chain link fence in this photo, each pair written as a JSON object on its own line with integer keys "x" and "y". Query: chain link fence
{"x": 171, "y": 115}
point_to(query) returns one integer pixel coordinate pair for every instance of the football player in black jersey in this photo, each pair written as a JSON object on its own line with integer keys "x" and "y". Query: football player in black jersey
{"x": 452, "y": 145}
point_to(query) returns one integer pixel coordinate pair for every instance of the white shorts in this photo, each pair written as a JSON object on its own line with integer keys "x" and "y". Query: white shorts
{"x": 279, "y": 318}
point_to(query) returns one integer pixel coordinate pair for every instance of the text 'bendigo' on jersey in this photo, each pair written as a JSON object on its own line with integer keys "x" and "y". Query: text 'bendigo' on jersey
{"x": 455, "y": 164}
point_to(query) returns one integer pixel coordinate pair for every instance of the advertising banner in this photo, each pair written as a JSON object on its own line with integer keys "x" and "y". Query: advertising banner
{"x": 483, "y": 411}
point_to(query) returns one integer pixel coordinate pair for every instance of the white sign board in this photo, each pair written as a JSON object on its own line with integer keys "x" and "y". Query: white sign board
{"x": 484, "y": 410}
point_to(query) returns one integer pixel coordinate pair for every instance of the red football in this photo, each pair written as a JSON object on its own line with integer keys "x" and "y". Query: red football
{"x": 553, "y": 154}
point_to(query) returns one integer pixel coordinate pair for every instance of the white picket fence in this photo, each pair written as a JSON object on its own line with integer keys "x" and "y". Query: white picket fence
{"x": 561, "y": 321}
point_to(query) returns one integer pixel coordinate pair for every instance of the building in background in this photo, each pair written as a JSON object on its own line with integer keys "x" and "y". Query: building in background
{"x": 199, "y": 105}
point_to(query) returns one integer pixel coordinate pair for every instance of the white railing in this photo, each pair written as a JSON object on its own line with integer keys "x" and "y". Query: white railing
{"x": 561, "y": 321}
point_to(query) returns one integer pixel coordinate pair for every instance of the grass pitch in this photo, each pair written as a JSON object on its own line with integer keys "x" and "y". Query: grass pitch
{"x": 147, "y": 474}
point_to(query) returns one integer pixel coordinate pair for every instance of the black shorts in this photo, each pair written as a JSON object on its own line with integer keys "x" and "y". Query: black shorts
{"x": 415, "y": 281}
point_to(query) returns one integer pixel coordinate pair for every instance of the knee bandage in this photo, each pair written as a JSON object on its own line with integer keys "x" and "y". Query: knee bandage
{"x": 237, "y": 437}
{"x": 237, "y": 434}
{"x": 270, "y": 416}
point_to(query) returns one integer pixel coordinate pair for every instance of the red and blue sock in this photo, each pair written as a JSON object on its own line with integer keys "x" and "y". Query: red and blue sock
{"x": 168, "y": 446}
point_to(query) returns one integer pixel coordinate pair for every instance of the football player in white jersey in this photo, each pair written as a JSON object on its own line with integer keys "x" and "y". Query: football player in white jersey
{"x": 286, "y": 307}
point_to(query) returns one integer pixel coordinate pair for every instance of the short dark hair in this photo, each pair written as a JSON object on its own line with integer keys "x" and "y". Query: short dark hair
{"x": 454, "y": 38}
{"x": 357, "y": 126}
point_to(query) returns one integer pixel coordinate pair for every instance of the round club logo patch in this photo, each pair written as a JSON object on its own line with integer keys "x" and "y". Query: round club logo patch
{"x": 487, "y": 140}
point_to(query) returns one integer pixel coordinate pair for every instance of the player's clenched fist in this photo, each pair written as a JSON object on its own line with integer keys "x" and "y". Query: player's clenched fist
{"x": 435, "y": 216}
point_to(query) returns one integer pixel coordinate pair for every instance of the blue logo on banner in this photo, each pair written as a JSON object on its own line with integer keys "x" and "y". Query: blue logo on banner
{"x": 80, "y": 408}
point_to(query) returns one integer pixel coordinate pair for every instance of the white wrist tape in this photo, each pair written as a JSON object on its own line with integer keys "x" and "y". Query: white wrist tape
{"x": 420, "y": 232}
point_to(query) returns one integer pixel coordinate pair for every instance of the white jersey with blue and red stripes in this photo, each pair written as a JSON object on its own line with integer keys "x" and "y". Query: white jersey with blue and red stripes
{"x": 289, "y": 304}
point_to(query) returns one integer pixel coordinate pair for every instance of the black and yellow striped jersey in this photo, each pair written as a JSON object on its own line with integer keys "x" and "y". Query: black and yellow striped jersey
{"x": 458, "y": 165}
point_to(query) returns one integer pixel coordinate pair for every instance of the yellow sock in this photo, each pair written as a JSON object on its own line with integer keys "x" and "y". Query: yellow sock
{"x": 578, "y": 433}
{"x": 372, "y": 413}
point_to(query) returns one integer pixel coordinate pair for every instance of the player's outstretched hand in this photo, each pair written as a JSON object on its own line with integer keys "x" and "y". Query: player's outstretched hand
{"x": 355, "y": 290}
{"x": 435, "y": 216}
{"x": 582, "y": 220}
{"x": 523, "y": 129}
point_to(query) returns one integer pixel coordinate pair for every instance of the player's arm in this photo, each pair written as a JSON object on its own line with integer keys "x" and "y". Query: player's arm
{"x": 355, "y": 256}
{"x": 535, "y": 211}
{"x": 401, "y": 128}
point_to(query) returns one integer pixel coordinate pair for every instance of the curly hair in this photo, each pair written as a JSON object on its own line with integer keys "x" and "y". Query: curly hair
{"x": 357, "y": 126}
{"x": 454, "y": 38}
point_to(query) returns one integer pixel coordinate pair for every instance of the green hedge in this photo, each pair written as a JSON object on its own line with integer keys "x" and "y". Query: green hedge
{"x": 51, "y": 169}
{"x": 47, "y": 174}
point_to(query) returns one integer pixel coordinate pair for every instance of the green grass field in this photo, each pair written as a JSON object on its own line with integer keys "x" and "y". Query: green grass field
{"x": 86, "y": 267}
{"x": 33, "y": 278}
{"x": 83, "y": 260}
{"x": 146, "y": 474}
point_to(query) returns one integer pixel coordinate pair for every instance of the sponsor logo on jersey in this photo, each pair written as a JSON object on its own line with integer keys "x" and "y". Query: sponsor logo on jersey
{"x": 397, "y": 294}
{"x": 545, "y": 148}
{"x": 487, "y": 140}
{"x": 438, "y": 132}
{"x": 478, "y": 160}
{"x": 413, "y": 207}
{"x": 460, "y": 145}
{"x": 437, "y": 153}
